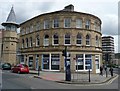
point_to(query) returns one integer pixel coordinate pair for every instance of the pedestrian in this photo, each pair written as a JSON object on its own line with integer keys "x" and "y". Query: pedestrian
{"x": 111, "y": 71}
{"x": 101, "y": 70}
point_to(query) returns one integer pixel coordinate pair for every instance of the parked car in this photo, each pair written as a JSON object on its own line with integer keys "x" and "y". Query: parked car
{"x": 20, "y": 68}
{"x": 6, "y": 66}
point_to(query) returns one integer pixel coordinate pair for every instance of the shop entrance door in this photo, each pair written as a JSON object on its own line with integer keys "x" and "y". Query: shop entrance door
{"x": 45, "y": 62}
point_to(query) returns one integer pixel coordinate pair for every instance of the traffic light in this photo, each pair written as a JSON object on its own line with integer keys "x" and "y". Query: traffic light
{"x": 106, "y": 57}
{"x": 64, "y": 52}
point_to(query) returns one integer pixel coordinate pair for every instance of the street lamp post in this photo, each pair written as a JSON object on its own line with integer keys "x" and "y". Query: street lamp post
{"x": 67, "y": 66}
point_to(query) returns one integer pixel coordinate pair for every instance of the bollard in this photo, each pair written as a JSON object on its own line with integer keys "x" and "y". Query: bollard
{"x": 89, "y": 75}
{"x": 38, "y": 70}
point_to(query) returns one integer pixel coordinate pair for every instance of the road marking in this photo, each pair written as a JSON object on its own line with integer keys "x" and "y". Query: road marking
{"x": 109, "y": 82}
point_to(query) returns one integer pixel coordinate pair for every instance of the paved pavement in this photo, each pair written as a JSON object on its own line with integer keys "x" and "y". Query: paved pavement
{"x": 76, "y": 78}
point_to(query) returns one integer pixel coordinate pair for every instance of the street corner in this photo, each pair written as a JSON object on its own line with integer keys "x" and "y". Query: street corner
{"x": 36, "y": 76}
{"x": 86, "y": 82}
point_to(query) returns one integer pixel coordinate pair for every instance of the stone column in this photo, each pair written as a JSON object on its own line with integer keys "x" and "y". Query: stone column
{"x": 40, "y": 61}
{"x": 72, "y": 63}
{"x": 62, "y": 63}
{"x": 34, "y": 61}
{"x": 93, "y": 64}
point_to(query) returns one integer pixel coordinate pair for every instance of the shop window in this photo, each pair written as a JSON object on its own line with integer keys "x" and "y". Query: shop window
{"x": 79, "y": 62}
{"x": 88, "y": 61}
{"x": 55, "y": 61}
{"x": 45, "y": 63}
{"x": 97, "y": 61}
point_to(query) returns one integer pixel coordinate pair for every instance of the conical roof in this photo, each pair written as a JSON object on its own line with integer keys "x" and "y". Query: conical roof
{"x": 11, "y": 19}
{"x": 11, "y": 16}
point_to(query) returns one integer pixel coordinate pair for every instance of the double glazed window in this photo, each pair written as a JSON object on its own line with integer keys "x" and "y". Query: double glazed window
{"x": 83, "y": 61}
{"x": 79, "y": 62}
{"x": 88, "y": 61}
{"x": 46, "y": 40}
{"x": 78, "y": 23}
{"x": 67, "y": 39}
{"x": 55, "y": 39}
{"x": 67, "y": 22}
{"x": 79, "y": 39}
{"x": 87, "y": 24}
{"x": 56, "y": 23}
{"x": 46, "y": 24}
{"x": 88, "y": 40}
{"x": 55, "y": 61}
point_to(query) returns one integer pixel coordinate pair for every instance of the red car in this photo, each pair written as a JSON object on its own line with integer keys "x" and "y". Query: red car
{"x": 20, "y": 68}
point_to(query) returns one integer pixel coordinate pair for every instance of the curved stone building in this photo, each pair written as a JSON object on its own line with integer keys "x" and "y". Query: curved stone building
{"x": 44, "y": 37}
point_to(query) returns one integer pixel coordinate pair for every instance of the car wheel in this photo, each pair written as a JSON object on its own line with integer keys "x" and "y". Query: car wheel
{"x": 18, "y": 72}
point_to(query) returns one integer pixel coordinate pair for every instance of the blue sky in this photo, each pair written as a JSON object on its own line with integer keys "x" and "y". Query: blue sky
{"x": 106, "y": 10}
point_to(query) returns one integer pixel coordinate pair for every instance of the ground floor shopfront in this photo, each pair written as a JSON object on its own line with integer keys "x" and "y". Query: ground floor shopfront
{"x": 55, "y": 61}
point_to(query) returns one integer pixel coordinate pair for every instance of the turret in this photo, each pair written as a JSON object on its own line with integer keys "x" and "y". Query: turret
{"x": 10, "y": 23}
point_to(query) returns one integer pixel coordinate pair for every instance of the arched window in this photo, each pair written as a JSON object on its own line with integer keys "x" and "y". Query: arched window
{"x": 22, "y": 43}
{"x": 87, "y": 40}
{"x": 55, "y": 39}
{"x": 79, "y": 39}
{"x": 97, "y": 41}
{"x": 67, "y": 39}
{"x": 26, "y": 42}
{"x": 31, "y": 42}
{"x": 37, "y": 40}
{"x": 46, "y": 40}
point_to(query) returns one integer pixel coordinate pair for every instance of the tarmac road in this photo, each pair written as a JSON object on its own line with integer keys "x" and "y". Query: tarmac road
{"x": 26, "y": 81}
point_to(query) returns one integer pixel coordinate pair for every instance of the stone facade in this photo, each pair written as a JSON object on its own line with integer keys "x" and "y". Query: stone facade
{"x": 9, "y": 47}
{"x": 44, "y": 37}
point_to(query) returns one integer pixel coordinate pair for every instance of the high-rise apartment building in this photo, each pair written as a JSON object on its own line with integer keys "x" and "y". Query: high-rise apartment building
{"x": 108, "y": 48}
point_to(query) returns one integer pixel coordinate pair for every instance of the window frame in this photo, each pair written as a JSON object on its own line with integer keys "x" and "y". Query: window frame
{"x": 55, "y": 39}
{"x": 79, "y": 23}
{"x": 80, "y": 39}
{"x": 67, "y": 23}
{"x": 68, "y": 39}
